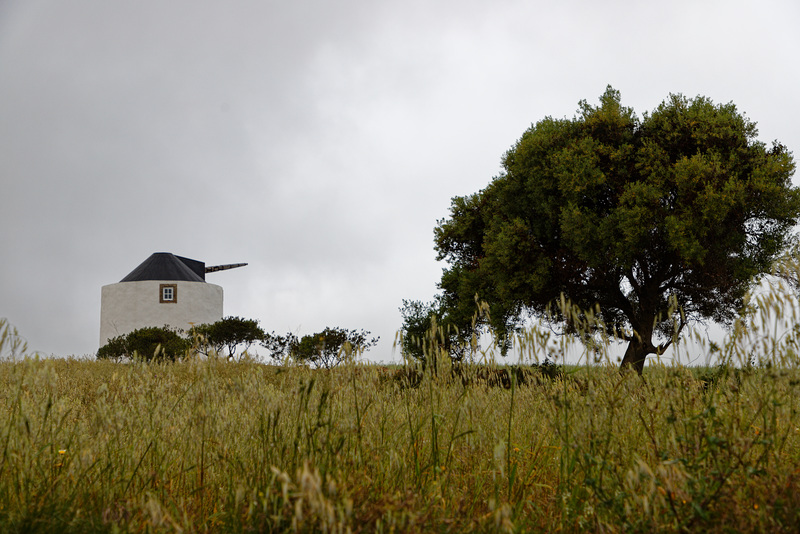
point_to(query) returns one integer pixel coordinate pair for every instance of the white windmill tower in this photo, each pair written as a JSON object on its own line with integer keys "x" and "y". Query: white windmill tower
{"x": 163, "y": 290}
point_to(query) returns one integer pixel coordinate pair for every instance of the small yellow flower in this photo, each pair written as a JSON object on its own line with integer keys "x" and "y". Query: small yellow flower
{"x": 62, "y": 451}
{"x": 755, "y": 507}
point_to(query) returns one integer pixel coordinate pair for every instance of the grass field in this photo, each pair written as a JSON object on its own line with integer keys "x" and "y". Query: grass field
{"x": 206, "y": 445}
{"x": 242, "y": 447}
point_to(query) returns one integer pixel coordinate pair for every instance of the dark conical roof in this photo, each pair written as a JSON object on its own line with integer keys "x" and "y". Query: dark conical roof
{"x": 164, "y": 266}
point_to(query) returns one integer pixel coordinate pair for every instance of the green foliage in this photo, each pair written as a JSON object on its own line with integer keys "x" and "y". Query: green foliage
{"x": 148, "y": 344}
{"x": 417, "y": 323}
{"x": 230, "y": 334}
{"x": 427, "y": 331}
{"x": 331, "y": 347}
{"x": 279, "y": 347}
{"x": 658, "y": 221}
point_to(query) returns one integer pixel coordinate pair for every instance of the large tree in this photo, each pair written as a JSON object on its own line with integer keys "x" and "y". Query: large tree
{"x": 683, "y": 206}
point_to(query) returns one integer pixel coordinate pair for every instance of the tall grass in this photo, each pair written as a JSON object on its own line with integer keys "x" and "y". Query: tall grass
{"x": 206, "y": 445}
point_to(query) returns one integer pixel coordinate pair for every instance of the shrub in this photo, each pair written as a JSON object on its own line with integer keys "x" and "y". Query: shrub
{"x": 149, "y": 344}
{"x": 229, "y": 333}
{"x": 331, "y": 347}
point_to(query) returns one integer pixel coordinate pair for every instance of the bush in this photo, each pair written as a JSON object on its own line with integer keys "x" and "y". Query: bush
{"x": 229, "y": 334}
{"x": 427, "y": 332}
{"x": 148, "y": 344}
{"x": 279, "y": 347}
{"x": 331, "y": 347}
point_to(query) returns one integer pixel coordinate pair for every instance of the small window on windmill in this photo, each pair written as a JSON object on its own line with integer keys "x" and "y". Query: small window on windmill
{"x": 169, "y": 293}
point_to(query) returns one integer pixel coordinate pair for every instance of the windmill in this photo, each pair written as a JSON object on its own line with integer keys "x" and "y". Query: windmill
{"x": 165, "y": 289}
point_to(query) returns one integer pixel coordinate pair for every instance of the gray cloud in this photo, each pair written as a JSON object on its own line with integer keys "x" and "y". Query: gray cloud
{"x": 317, "y": 141}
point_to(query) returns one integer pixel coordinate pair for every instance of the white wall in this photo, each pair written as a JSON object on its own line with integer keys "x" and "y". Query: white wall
{"x": 127, "y": 306}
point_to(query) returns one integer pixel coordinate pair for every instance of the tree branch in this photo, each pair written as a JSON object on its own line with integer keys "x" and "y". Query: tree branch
{"x": 664, "y": 346}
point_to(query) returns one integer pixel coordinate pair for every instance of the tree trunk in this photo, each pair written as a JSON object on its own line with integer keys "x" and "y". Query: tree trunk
{"x": 640, "y": 345}
{"x": 636, "y": 354}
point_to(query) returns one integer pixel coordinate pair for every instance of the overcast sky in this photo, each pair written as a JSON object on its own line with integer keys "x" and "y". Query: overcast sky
{"x": 317, "y": 141}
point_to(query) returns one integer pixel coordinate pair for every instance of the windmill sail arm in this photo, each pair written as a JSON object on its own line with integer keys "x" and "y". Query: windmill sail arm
{"x": 215, "y": 268}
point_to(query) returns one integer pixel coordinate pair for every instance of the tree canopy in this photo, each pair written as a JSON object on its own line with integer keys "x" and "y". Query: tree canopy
{"x": 331, "y": 346}
{"x": 426, "y": 332}
{"x": 228, "y": 333}
{"x": 654, "y": 221}
{"x": 156, "y": 344}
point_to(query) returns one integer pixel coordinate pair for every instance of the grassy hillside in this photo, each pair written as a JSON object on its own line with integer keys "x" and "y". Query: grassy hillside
{"x": 212, "y": 446}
